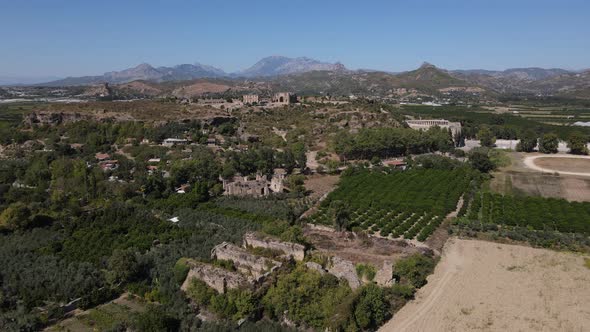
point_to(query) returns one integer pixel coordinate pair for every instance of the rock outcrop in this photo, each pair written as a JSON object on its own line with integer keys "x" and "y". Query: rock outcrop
{"x": 297, "y": 251}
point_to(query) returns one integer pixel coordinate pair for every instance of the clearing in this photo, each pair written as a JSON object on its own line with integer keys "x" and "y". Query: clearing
{"x": 570, "y": 165}
{"x": 488, "y": 286}
{"x": 521, "y": 179}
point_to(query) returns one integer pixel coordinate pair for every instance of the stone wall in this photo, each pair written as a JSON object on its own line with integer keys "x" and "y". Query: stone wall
{"x": 256, "y": 267}
{"x": 343, "y": 268}
{"x": 384, "y": 276}
{"x": 297, "y": 251}
{"x": 215, "y": 277}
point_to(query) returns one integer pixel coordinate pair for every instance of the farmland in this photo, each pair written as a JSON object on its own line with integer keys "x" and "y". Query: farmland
{"x": 411, "y": 204}
{"x": 534, "y": 212}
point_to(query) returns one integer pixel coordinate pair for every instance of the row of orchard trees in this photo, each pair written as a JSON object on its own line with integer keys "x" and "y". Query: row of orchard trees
{"x": 548, "y": 143}
{"x": 419, "y": 190}
{"x": 391, "y": 142}
{"x": 534, "y": 212}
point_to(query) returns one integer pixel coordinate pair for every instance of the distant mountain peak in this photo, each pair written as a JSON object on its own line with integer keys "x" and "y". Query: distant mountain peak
{"x": 277, "y": 65}
{"x": 426, "y": 65}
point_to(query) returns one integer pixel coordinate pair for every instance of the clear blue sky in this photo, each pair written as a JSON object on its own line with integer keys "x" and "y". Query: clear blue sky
{"x": 59, "y": 37}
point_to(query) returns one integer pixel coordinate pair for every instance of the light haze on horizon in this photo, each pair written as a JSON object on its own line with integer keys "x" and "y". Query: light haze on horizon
{"x": 75, "y": 38}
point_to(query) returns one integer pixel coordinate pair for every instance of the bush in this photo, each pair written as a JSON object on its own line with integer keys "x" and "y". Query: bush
{"x": 413, "y": 270}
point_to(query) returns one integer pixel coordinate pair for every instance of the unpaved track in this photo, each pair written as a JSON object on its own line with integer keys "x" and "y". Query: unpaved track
{"x": 486, "y": 286}
{"x": 530, "y": 163}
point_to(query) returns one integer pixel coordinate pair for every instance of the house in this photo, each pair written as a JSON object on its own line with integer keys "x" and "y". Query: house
{"x": 108, "y": 165}
{"x": 183, "y": 189}
{"x": 400, "y": 164}
{"x": 102, "y": 156}
{"x": 170, "y": 142}
{"x": 154, "y": 160}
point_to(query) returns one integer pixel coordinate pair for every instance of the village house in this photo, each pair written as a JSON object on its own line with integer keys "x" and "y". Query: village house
{"x": 170, "y": 142}
{"x": 108, "y": 165}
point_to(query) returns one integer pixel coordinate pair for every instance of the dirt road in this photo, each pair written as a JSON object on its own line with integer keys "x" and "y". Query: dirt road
{"x": 485, "y": 286}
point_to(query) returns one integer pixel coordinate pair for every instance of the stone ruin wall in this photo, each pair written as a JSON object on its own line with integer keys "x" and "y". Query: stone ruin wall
{"x": 215, "y": 277}
{"x": 297, "y": 251}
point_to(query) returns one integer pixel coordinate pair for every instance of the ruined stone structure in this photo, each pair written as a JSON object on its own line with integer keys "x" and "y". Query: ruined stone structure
{"x": 215, "y": 277}
{"x": 276, "y": 182}
{"x": 256, "y": 267}
{"x": 260, "y": 186}
{"x": 250, "y": 99}
{"x": 242, "y": 186}
{"x": 284, "y": 98}
{"x": 455, "y": 127}
{"x": 297, "y": 251}
{"x": 384, "y": 276}
{"x": 343, "y": 268}
{"x": 53, "y": 118}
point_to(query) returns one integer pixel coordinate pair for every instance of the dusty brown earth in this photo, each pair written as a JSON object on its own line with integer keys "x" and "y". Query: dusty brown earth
{"x": 200, "y": 88}
{"x": 519, "y": 179}
{"x": 374, "y": 250}
{"x": 564, "y": 164}
{"x": 486, "y": 286}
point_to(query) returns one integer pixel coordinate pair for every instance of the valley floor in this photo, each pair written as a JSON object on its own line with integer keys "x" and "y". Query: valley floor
{"x": 486, "y": 286}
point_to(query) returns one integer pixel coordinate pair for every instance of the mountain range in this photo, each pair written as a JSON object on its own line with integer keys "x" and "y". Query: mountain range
{"x": 306, "y": 75}
{"x": 266, "y": 67}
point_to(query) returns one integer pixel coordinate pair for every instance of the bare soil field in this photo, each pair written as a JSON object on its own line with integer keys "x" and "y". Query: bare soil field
{"x": 520, "y": 179}
{"x": 564, "y": 164}
{"x": 486, "y": 286}
{"x": 374, "y": 250}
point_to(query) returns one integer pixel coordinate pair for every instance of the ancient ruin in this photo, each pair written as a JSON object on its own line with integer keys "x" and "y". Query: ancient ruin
{"x": 250, "y": 99}
{"x": 455, "y": 127}
{"x": 257, "y": 187}
{"x": 256, "y": 267}
{"x": 284, "y": 98}
{"x": 215, "y": 277}
{"x": 295, "y": 250}
{"x": 343, "y": 268}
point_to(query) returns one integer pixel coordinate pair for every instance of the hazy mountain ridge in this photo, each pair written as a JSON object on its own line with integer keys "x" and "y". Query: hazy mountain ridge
{"x": 280, "y": 65}
{"x": 306, "y": 75}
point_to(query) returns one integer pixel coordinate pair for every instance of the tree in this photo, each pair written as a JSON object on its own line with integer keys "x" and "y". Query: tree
{"x": 577, "y": 143}
{"x": 528, "y": 142}
{"x": 15, "y": 216}
{"x": 481, "y": 161}
{"x": 340, "y": 214}
{"x": 370, "y": 309}
{"x": 413, "y": 270}
{"x": 486, "y": 137}
{"x": 123, "y": 266}
{"x": 549, "y": 143}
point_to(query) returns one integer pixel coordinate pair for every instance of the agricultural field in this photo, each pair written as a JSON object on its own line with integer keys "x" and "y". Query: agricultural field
{"x": 531, "y": 212}
{"x": 409, "y": 204}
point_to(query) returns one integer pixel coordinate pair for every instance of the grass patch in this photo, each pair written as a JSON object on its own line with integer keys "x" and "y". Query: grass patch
{"x": 587, "y": 262}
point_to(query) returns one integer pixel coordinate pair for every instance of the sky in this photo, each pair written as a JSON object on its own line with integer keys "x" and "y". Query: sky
{"x": 73, "y": 38}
